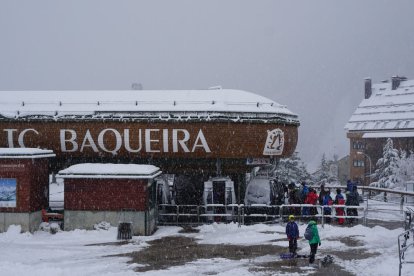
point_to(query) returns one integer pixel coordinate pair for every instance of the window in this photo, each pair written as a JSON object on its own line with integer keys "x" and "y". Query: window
{"x": 398, "y": 124}
{"x": 359, "y": 163}
{"x": 358, "y": 145}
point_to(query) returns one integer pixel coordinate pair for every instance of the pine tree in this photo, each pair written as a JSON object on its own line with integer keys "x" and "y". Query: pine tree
{"x": 291, "y": 170}
{"x": 388, "y": 167}
{"x": 405, "y": 167}
{"x": 323, "y": 173}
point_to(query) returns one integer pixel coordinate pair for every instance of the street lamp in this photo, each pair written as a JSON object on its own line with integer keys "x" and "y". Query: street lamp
{"x": 370, "y": 164}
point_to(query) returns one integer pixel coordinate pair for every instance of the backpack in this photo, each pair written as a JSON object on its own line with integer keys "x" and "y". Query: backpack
{"x": 308, "y": 233}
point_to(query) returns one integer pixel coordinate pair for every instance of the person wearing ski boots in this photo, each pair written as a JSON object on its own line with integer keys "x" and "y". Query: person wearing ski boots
{"x": 292, "y": 232}
{"x": 315, "y": 241}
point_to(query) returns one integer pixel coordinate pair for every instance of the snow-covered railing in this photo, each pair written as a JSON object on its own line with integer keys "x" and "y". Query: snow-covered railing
{"x": 294, "y": 208}
{"x": 403, "y": 245}
{"x": 402, "y": 194}
{"x": 197, "y": 214}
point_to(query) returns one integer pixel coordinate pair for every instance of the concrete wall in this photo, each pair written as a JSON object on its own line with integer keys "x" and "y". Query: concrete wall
{"x": 141, "y": 224}
{"x": 28, "y": 221}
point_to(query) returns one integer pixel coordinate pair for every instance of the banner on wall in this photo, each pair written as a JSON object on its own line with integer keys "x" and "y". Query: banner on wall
{"x": 7, "y": 192}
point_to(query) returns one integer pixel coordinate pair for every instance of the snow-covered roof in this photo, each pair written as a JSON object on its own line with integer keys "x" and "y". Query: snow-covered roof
{"x": 139, "y": 103}
{"x": 25, "y": 153}
{"x": 107, "y": 170}
{"x": 388, "y": 134}
{"x": 386, "y": 109}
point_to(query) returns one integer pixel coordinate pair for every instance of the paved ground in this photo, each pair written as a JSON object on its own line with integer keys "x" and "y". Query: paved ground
{"x": 162, "y": 254}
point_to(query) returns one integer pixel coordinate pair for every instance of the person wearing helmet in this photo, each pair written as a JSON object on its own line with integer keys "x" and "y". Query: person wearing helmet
{"x": 292, "y": 232}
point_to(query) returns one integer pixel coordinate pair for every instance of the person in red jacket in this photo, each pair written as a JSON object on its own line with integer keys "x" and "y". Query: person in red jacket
{"x": 339, "y": 200}
{"x": 312, "y": 198}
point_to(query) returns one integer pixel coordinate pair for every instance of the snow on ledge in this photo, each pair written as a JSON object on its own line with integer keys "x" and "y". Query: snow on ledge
{"x": 25, "y": 153}
{"x": 388, "y": 134}
{"x": 99, "y": 170}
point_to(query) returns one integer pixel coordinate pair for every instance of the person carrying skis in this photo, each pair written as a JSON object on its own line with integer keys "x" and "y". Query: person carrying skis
{"x": 292, "y": 233}
{"x": 339, "y": 200}
{"x": 315, "y": 241}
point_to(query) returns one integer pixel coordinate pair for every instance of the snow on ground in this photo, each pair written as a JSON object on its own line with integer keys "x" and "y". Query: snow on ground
{"x": 66, "y": 253}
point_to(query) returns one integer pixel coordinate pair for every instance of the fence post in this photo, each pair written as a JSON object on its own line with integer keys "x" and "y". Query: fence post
{"x": 402, "y": 204}
{"x": 365, "y": 215}
{"x": 323, "y": 217}
{"x": 281, "y": 214}
{"x": 198, "y": 214}
{"x": 178, "y": 213}
{"x": 238, "y": 216}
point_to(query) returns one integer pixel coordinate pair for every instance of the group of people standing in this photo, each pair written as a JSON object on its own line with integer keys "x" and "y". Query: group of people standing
{"x": 308, "y": 195}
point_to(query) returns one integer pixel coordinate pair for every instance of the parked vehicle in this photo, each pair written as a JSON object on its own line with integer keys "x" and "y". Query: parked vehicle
{"x": 263, "y": 193}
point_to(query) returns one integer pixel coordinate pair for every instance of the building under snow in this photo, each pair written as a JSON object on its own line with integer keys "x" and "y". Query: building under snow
{"x": 387, "y": 111}
{"x": 193, "y": 132}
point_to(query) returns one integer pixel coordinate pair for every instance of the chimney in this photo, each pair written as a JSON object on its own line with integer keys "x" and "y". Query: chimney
{"x": 368, "y": 88}
{"x": 395, "y": 82}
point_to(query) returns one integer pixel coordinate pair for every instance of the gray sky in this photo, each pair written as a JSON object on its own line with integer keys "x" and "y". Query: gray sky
{"x": 309, "y": 55}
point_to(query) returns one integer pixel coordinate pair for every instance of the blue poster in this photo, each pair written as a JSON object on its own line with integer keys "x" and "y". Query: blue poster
{"x": 7, "y": 192}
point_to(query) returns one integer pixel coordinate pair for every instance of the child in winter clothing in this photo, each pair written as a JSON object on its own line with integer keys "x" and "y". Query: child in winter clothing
{"x": 314, "y": 242}
{"x": 292, "y": 232}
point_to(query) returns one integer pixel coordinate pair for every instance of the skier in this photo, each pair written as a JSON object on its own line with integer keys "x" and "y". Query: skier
{"x": 312, "y": 198}
{"x": 349, "y": 186}
{"x": 304, "y": 191}
{"x": 322, "y": 194}
{"x": 327, "y": 201}
{"x": 294, "y": 198}
{"x": 315, "y": 241}
{"x": 339, "y": 200}
{"x": 292, "y": 232}
{"x": 352, "y": 200}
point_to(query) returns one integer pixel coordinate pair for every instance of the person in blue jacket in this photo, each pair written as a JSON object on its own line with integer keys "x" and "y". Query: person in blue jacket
{"x": 292, "y": 232}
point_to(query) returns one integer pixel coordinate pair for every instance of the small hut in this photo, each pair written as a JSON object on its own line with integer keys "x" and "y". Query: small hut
{"x": 114, "y": 193}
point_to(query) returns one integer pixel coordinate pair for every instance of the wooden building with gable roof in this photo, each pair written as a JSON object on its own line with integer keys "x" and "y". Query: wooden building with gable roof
{"x": 387, "y": 111}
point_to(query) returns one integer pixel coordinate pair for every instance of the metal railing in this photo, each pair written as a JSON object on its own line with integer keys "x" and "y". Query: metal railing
{"x": 369, "y": 192}
{"x": 403, "y": 245}
{"x": 243, "y": 214}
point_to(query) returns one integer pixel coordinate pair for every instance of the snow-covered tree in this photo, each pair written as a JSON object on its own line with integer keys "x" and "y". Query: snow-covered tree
{"x": 327, "y": 171}
{"x": 291, "y": 170}
{"x": 405, "y": 167}
{"x": 388, "y": 167}
{"x": 323, "y": 172}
